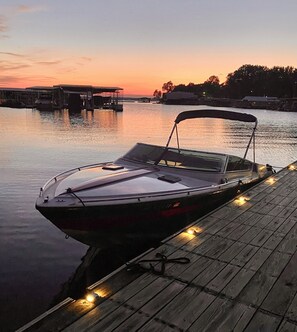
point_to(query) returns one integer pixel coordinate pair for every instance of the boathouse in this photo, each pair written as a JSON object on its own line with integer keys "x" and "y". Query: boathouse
{"x": 63, "y": 96}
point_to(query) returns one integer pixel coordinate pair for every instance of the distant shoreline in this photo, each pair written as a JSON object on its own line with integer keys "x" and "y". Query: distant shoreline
{"x": 284, "y": 105}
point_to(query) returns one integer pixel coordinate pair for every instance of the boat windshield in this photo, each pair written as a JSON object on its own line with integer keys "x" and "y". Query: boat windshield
{"x": 178, "y": 158}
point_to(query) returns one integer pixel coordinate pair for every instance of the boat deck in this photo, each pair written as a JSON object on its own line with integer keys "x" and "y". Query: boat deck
{"x": 240, "y": 274}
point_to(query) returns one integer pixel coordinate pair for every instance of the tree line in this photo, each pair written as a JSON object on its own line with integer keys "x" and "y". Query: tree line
{"x": 248, "y": 80}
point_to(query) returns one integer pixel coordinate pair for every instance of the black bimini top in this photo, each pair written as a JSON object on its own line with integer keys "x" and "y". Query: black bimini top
{"x": 212, "y": 113}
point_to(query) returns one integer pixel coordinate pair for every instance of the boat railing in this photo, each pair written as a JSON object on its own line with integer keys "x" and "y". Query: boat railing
{"x": 62, "y": 175}
{"x": 178, "y": 192}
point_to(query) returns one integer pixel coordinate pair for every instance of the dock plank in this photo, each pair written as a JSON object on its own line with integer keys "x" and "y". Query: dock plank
{"x": 236, "y": 285}
{"x": 273, "y": 223}
{"x": 274, "y": 240}
{"x": 229, "y": 254}
{"x": 284, "y": 290}
{"x": 164, "y": 298}
{"x": 239, "y": 232}
{"x": 196, "y": 269}
{"x": 88, "y": 320}
{"x": 244, "y": 255}
{"x": 113, "y": 320}
{"x": 209, "y": 273}
{"x": 221, "y": 246}
{"x": 223, "y": 278}
{"x": 263, "y": 322}
{"x": 223, "y": 315}
{"x": 134, "y": 323}
{"x": 196, "y": 241}
{"x": 275, "y": 264}
{"x": 149, "y": 292}
{"x": 288, "y": 327}
{"x": 155, "y": 326}
{"x": 257, "y": 289}
{"x": 250, "y": 235}
{"x": 186, "y": 308}
{"x": 258, "y": 259}
{"x": 261, "y": 238}
{"x": 292, "y": 310}
{"x": 231, "y": 227}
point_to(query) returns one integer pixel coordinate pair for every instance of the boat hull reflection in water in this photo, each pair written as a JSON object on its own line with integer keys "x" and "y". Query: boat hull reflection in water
{"x": 150, "y": 192}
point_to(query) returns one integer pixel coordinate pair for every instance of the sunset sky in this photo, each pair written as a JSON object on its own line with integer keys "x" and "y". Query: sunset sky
{"x": 140, "y": 44}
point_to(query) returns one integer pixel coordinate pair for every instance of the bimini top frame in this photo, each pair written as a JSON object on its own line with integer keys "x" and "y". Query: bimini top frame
{"x": 213, "y": 113}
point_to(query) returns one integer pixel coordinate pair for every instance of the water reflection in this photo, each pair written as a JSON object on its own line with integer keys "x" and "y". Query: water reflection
{"x": 95, "y": 265}
{"x": 95, "y": 118}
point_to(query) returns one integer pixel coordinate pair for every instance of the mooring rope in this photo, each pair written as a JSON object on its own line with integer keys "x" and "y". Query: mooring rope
{"x": 160, "y": 258}
{"x": 69, "y": 191}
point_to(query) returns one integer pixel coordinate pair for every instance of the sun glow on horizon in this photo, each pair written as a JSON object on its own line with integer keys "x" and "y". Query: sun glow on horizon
{"x": 140, "y": 49}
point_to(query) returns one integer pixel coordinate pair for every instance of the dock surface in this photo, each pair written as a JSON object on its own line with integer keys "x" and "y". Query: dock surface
{"x": 236, "y": 271}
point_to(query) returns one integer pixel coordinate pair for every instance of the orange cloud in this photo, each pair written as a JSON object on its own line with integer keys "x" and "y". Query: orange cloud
{"x": 29, "y": 9}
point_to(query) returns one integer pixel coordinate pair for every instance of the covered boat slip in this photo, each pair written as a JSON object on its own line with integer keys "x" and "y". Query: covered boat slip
{"x": 232, "y": 270}
{"x": 63, "y": 96}
{"x": 78, "y": 97}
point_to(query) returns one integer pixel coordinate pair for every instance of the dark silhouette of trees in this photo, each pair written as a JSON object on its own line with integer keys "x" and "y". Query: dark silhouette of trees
{"x": 281, "y": 82}
{"x": 168, "y": 87}
{"x": 191, "y": 87}
{"x": 157, "y": 94}
{"x": 248, "y": 80}
{"x": 211, "y": 87}
{"x": 213, "y": 80}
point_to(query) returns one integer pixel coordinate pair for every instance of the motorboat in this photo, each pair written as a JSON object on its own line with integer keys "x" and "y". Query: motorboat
{"x": 44, "y": 102}
{"x": 151, "y": 191}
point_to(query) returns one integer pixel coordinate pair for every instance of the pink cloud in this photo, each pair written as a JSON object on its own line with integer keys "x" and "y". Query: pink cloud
{"x": 13, "y": 54}
{"x": 29, "y": 9}
{"x": 48, "y": 63}
{"x": 6, "y": 66}
{"x": 3, "y": 27}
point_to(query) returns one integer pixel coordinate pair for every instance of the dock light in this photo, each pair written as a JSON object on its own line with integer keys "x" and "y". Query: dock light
{"x": 241, "y": 200}
{"x": 271, "y": 180}
{"x": 191, "y": 231}
{"x": 194, "y": 230}
{"x": 292, "y": 167}
{"x": 92, "y": 297}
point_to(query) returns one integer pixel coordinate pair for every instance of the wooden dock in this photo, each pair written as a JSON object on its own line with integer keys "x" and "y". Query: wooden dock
{"x": 236, "y": 271}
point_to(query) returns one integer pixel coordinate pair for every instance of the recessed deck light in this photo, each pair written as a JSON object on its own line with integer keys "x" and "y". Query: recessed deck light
{"x": 292, "y": 167}
{"x": 92, "y": 297}
{"x": 271, "y": 180}
{"x": 241, "y": 200}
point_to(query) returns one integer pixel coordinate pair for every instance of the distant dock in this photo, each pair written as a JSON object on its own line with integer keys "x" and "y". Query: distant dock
{"x": 63, "y": 96}
{"x": 234, "y": 269}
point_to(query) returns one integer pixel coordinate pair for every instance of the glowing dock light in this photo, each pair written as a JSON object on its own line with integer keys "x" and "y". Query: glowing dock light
{"x": 191, "y": 231}
{"x": 194, "y": 230}
{"x": 241, "y": 200}
{"x": 292, "y": 167}
{"x": 271, "y": 180}
{"x": 92, "y": 297}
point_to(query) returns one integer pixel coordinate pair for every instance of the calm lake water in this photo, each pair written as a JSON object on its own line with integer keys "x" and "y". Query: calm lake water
{"x": 39, "y": 266}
